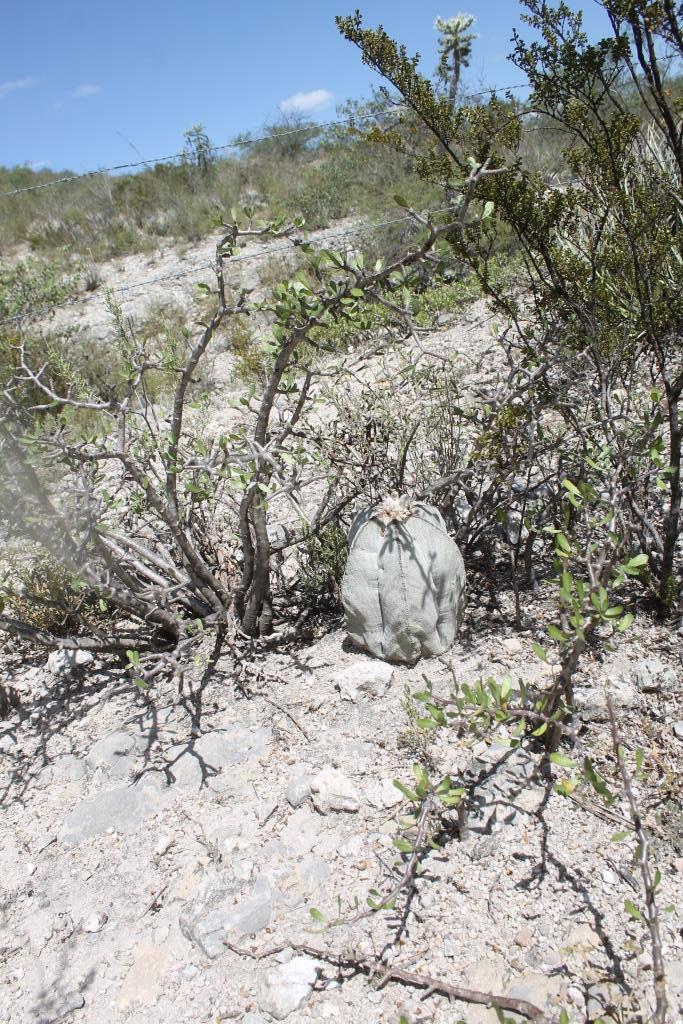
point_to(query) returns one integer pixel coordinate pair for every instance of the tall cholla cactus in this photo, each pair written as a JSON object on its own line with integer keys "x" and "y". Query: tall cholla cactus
{"x": 455, "y": 49}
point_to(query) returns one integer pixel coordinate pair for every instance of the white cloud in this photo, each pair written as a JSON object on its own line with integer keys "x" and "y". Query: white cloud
{"x": 19, "y": 83}
{"x": 306, "y": 102}
{"x": 83, "y": 91}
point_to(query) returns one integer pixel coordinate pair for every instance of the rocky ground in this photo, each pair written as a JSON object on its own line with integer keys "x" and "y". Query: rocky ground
{"x": 142, "y": 831}
{"x": 145, "y": 834}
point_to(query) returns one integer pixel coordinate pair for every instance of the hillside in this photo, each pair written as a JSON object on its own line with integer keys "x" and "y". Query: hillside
{"x": 255, "y": 404}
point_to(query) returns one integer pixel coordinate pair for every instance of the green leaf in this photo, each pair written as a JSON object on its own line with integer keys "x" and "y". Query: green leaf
{"x": 572, "y": 488}
{"x": 632, "y": 910}
{"x": 133, "y": 657}
{"x": 140, "y": 683}
{"x": 539, "y": 651}
{"x": 635, "y": 563}
{"x": 556, "y": 634}
{"x": 596, "y": 780}
{"x": 562, "y": 545}
{"x": 403, "y": 845}
{"x": 408, "y": 793}
{"x": 316, "y": 914}
{"x": 401, "y": 201}
{"x": 489, "y": 207}
{"x": 563, "y": 760}
{"x": 618, "y": 836}
{"x": 625, "y": 622}
{"x": 453, "y": 798}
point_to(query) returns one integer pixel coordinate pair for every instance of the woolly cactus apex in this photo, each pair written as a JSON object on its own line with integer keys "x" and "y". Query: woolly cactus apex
{"x": 404, "y": 583}
{"x": 394, "y": 509}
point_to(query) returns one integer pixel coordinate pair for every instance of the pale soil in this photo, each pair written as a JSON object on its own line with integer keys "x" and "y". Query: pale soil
{"x": 114, "y": 855}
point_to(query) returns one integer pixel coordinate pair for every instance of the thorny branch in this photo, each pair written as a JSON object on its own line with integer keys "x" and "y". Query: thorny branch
{"x": 375, "y": 968}
{"x": 650, "y": 879}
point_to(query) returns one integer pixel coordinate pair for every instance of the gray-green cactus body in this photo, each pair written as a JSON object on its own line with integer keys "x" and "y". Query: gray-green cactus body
{"x": 404, "y": 584}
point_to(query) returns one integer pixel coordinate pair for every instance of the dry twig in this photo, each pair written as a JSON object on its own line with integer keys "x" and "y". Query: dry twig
{"x": 374, "y": 967}
{"x": 650, "y": 878}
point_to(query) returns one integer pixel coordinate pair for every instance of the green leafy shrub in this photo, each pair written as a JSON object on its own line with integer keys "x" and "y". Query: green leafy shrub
{"x": 322, "y": 563}
{"x": 29, "y": 285}
{"x": 43, "y": 594}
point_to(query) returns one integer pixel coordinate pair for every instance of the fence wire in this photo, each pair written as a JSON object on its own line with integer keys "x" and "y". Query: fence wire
{"x": 164, "y": 278}
{"x": 238, "y": 144}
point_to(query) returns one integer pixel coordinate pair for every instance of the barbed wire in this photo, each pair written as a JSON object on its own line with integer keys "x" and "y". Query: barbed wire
{"x": 178, "y": 275}
{"x": 237, "y": 144}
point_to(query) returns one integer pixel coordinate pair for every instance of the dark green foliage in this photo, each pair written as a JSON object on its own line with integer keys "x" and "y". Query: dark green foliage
{"x": 27, "y": 286}
{"x": 601, "y": 263}
{"x": 323, "y": 560}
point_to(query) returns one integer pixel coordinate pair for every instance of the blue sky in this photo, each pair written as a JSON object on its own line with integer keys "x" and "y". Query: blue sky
{"x": 90, "y": 84}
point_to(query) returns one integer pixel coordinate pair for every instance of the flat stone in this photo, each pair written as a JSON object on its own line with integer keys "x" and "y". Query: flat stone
{"x": 678, "y": 730}
{"x": 536, "y": 989}
{"x": 581, "y": 938}
{"x": 303, "y": 830}
{"x": 524, "y": 937}
{"x": 285, "y": 988}
{"x": 8, "y": 739}
{"x": 112, "y": 754}
{"x": 312, "y": 873}
{"x": 381, "y": 795}
{"x": 591, "y": 705}
{"x": 486, "y": 975}
{"x": 65, "y": 768}
{"x": 652, "y": 676}
{"x": 94, "y": 923}
{"x": 367, "y": 678}
{"x": 193, "y": 764}
{"x": 216, "y": 913}
{"x": 65, "y": 663}
{"x": 143, "y": 983}
{"x": 674, "y": 976}
{"x": 512, "y": 645}
{"x": 298, "y": 788}
{"x": 499, "y": 778}
{"x": 333, "y": 791}
{"x": 601, "y": 998}
{"x": 122, "y": 809}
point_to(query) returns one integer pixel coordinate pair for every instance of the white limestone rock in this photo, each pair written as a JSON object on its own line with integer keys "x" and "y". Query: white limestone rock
{"x": 285, "y": 988}
{"x": 333, "y": 791}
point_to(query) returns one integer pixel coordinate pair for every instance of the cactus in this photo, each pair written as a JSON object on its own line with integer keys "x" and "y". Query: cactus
{"x": 404, "y": 583}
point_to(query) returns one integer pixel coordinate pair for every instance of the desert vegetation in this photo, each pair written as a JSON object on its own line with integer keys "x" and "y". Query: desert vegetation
{"x": 150, "y": 503}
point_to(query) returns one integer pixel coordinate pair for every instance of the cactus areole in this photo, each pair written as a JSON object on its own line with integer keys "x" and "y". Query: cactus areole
{"x": 404, "y": 584}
